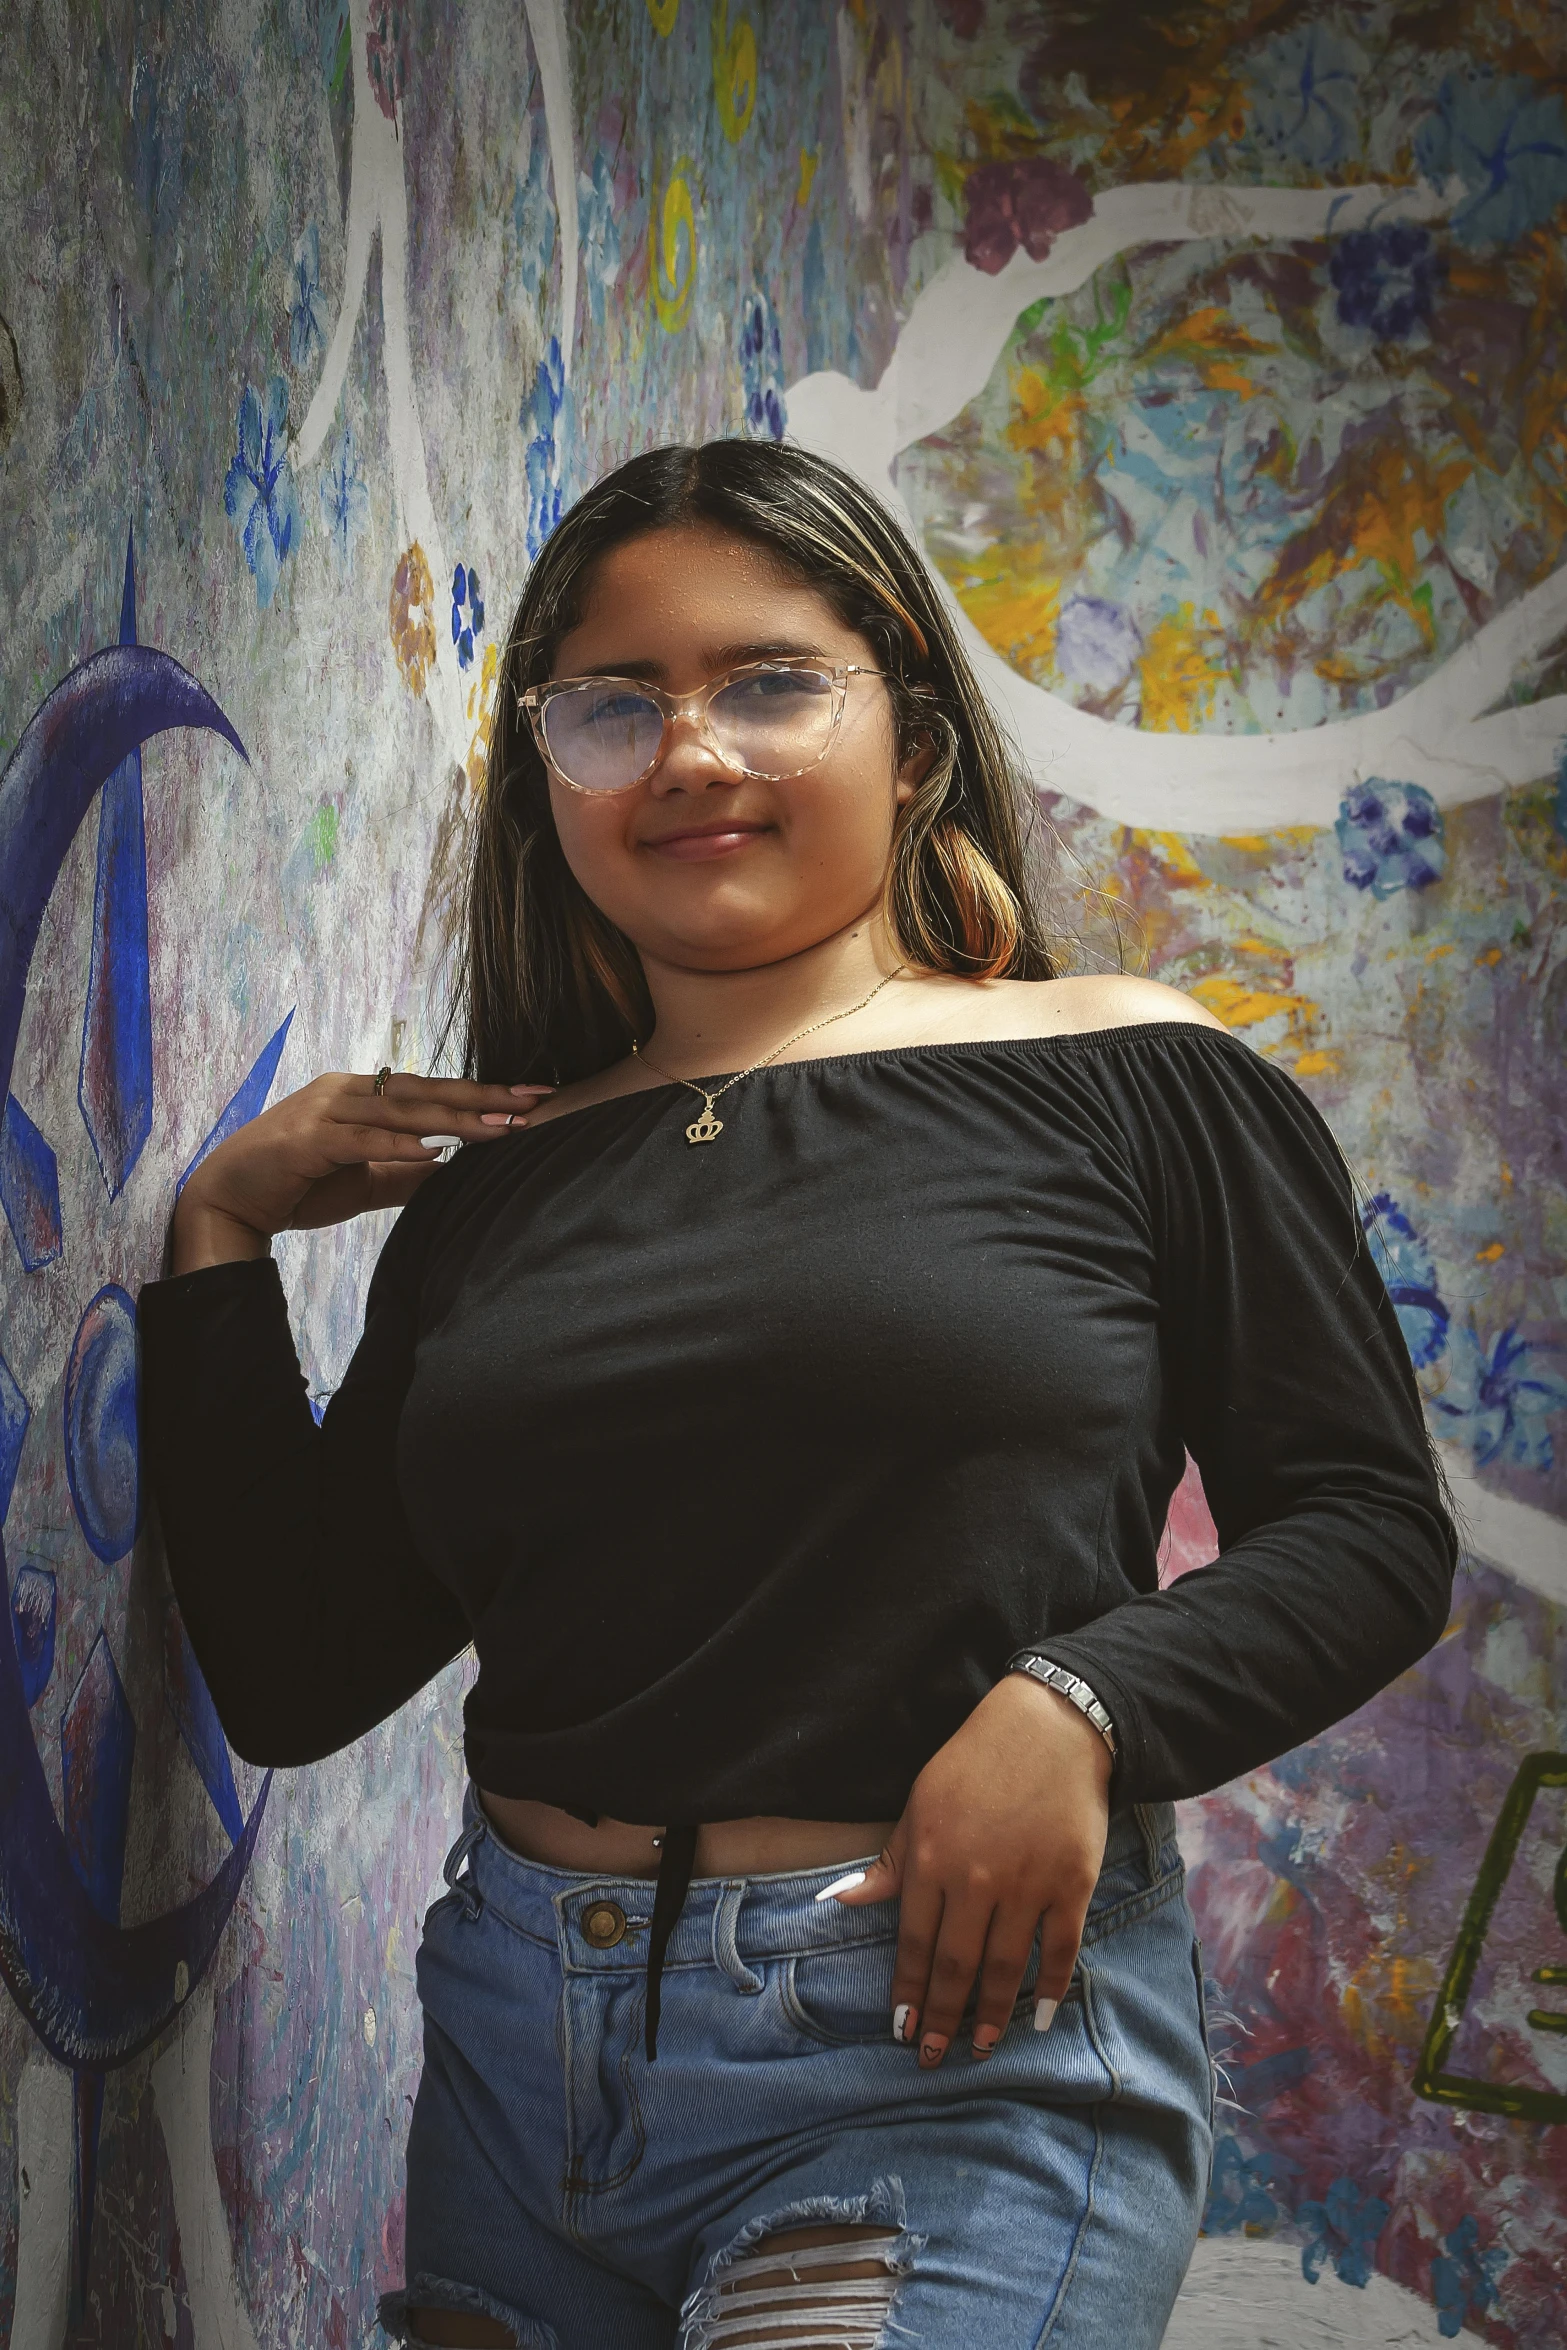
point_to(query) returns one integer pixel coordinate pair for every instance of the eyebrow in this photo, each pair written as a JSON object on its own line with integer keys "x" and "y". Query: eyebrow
{"x": 716, "y": 659}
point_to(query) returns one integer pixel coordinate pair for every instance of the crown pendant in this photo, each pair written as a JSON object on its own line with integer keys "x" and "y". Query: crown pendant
{"x": 707, "y": 1128}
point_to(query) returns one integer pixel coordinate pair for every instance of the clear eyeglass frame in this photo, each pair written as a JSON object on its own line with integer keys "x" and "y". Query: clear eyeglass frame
{"x": 534, "y": 702}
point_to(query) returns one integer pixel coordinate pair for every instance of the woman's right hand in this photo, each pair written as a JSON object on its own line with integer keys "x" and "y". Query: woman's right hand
{"x": 334, "y": 1149}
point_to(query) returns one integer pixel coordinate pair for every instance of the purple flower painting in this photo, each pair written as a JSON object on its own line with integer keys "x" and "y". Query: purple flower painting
{"x": 761, "y": 368}
{"x": 1391, "y": 837}
{"x": 1097, "y": 643}
{"x": 1027, "y": 203}
{"x": 1387, "y": 278}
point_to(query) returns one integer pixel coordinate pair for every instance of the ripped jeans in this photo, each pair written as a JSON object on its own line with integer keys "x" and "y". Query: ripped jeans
{"x": 587, "y": 2200}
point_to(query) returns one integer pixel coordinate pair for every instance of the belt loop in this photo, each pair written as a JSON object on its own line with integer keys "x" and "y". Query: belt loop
{"x": 464, "y": 1888}
{"x": 726, "y": 1949}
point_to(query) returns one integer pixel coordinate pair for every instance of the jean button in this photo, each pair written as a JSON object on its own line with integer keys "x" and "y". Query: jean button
{"x": 604, "y": 1924}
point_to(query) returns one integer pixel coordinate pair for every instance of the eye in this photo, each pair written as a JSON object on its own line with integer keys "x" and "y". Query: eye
{"x": 614, "y": 708}
{"x": 778, "y": 687}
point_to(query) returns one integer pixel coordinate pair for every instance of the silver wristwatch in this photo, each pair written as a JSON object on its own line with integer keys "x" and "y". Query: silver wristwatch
{"x": 1067, "y": 1685}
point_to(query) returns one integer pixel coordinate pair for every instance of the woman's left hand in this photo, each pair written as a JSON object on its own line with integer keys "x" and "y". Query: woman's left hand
{"x": 1004, "y": 1826}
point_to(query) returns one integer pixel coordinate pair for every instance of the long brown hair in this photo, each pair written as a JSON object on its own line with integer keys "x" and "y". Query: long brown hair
{"x": 545, "y": 986}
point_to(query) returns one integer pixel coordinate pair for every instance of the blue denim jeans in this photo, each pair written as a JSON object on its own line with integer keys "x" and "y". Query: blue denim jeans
{"x": 591, "y": 2201}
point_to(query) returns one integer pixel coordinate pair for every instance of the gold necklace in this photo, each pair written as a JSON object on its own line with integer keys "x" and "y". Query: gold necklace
{"x": 708, "y": 1128}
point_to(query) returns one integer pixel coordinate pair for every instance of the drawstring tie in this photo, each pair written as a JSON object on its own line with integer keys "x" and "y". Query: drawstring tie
{"x": 675, "y": 1864}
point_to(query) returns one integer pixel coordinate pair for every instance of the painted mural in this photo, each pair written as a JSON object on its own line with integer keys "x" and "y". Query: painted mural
{"x": 1216, "y": 350}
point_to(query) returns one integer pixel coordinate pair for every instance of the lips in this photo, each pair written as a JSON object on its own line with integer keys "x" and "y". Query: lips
{"x": 697, "y": 842}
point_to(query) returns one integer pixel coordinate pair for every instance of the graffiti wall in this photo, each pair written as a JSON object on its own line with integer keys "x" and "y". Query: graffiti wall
{"x": 1216, "y": 350}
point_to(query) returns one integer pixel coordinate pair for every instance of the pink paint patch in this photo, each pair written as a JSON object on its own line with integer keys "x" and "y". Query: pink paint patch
{"x": 1190, "y": 1538}
{"x": 394, "y": 2228}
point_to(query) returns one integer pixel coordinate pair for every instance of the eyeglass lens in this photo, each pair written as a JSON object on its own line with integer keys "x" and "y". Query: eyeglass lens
{"x": 770, "y": 722}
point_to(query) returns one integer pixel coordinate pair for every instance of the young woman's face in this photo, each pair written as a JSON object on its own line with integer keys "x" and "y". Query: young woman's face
{"x": 701, "y": 867}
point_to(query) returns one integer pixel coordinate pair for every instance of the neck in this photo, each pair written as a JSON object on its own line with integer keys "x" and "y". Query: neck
{"x": 711, "y": 1020}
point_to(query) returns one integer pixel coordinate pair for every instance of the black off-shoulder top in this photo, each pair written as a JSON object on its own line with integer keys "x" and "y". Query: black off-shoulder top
{"x": 746, "y": 1467}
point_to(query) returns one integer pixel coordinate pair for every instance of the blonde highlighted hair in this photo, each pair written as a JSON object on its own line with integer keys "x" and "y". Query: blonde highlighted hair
{"x": 545, "y": 986}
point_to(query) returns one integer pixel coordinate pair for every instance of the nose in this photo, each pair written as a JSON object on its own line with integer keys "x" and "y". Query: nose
{"x": 688, "y": 761}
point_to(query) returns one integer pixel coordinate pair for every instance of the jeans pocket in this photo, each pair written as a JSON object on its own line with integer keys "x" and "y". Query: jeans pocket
{"x": 842, "y": 1996}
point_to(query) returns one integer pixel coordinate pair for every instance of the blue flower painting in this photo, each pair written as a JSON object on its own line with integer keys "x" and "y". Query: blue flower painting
{"x": 544, "y": 419}
{"x": 533, "y": 210}
{"x": 307, "y": 320}
{"x": 1391, "y": 837}
{"x": 761, "y": 368}
{"x": 345, "y": 502}
{"x": 1343, "y": 2228}
{"x": 1507, "y": 141}
{"x": 1306, "y": 95}
{"x": 1386, "y": 278}
{"x": 1464, "y": 2279}
{"x": 467, "y": 613}
{"x": 258, "y": 494}
{"x": 1409, "y": 1270}
{"x": 1238, "y": 2195}
{"x": 1097, "y": 643}
{"x": 1501, "y": 1395}
{"x": 600, "y": 237}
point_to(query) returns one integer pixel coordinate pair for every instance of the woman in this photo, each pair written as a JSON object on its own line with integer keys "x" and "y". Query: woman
{"x": 783, "y": 1388}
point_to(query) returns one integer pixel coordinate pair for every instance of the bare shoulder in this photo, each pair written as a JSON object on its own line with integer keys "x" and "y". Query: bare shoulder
{"x": 1075, "y": 1007}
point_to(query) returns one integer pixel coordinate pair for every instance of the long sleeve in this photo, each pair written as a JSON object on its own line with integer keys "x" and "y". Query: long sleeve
{"x": 1286, "y": 1375}
{"x": 309, "y": 1609}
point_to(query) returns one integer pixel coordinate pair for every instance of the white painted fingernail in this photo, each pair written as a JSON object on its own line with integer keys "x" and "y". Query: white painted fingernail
{"x": 1045, "y": 2013}
{"x": 902, "y": 2021}
{"x": 842, "y": 1884}
{"x": 439, "y": 1142}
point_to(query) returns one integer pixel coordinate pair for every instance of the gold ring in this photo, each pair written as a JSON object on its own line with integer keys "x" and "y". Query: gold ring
{"x": 381, "y": 1077}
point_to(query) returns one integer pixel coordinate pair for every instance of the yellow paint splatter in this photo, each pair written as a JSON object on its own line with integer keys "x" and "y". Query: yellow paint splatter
{"x": 1386, "y": 514}
{"x": 1046, "y": 416}
{"x": 1179, "y": 674}
{"x": 1488, "y": 1256}
{"x": 734, "y": 71}
{"x": 671, "y": 258}
{"x": 1531, "y": 818}
{"x": 1282, "y": 1903}
{"x": 1489, "y": 955}
{"x": 481, "y": 713}
{"x": 809, "y": 158}
{"x": 1386, "y": 2003}
{"x": 1211, "y": 341}
{"x": 1013, "y": 604}
{"x": 1240, "y": 1005}
{"x": 412, "y": 615}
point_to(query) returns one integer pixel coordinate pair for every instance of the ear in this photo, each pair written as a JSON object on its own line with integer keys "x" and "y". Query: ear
{"x": 914, "y": 769}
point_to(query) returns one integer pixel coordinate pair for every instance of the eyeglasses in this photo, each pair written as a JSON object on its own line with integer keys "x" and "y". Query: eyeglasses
{"x": 767, "y": 718}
